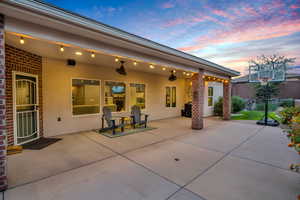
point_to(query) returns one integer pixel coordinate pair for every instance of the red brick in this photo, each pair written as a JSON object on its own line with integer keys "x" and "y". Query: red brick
{"x": 227, "y": 100}
{"x": 21, "y": 61}
{"x": 198, "y": 100}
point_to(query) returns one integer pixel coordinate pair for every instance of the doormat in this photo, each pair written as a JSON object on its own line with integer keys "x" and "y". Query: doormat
{"x": 14, "y": 149}
{"x": 40, "y": 143}
{"x": 126, "y": 132}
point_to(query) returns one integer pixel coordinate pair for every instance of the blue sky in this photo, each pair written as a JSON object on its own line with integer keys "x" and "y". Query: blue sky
{"x": 229, "y": 33}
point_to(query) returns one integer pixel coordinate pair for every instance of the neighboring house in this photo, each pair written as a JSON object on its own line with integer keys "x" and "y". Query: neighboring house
{"x": 58, "y": 70}
{"x": 287, "y": 89}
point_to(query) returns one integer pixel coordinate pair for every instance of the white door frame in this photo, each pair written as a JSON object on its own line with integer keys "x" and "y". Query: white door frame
{"x": 14, "y": 74}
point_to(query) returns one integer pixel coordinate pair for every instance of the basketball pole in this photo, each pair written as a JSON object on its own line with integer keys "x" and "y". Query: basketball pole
{"x": 265, "y": 121}
{"x": 266, "y": 105}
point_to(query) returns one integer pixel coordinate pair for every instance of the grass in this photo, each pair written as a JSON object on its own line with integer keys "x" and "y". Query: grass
{"x": 254, "y": 115}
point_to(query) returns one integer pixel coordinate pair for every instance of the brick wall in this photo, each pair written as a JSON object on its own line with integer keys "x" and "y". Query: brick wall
{"x": 3, "y": 178}
{"x": 20, "y": 61}
{"x": 227, "y": 100}
{"x": 198, "y": 100}
{"x": 287, "y": 89}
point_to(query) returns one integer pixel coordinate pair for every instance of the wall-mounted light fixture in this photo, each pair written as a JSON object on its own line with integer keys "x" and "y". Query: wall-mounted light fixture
{"x": 151, "y": 66}
{"x": 135, "y": 63}
{"x": 93, "y": 55}
{"x": 22, "y": 41}
{"x": 164, "y": 69}
{"x": 62, "y": 49}
{"x": 116, "y": 59}
{"x": 78, "y": 53}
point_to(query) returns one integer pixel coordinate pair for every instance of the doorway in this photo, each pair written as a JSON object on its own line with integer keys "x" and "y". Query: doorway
{"x": 26, "y": 109}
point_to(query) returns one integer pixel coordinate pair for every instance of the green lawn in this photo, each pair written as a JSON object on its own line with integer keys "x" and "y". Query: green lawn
{"x": 254, "y": 115}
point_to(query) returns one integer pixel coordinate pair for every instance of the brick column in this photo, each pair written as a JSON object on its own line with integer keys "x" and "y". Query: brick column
{"x": 227, "y": 100}
{"x": 198, "y": 100}
{"x": 3, "y": 179}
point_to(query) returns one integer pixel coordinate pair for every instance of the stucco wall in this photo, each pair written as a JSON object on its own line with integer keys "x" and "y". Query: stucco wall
{"x": 57, "y": 95}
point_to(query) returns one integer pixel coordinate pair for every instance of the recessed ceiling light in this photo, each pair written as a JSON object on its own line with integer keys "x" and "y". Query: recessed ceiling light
{"x": 78, "y": 53}
{"x": 151, "y": 66}
{"x": 22, "y": 41}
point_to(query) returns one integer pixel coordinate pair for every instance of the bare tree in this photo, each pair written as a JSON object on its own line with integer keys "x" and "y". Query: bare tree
{"x": 273, "y": 61}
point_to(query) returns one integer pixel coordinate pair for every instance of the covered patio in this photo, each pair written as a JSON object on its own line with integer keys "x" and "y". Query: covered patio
{"x": 58, "y": 70}
{"x": 225, "y": 160}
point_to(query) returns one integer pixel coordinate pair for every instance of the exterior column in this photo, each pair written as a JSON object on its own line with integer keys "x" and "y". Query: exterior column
{"x": 227, "y": 100}
{"x": 3, "y": 178}
{"x": 198, "y": 100}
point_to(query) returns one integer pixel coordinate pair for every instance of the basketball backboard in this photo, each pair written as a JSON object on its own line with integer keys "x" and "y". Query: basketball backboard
{"x": 273, "y": 72}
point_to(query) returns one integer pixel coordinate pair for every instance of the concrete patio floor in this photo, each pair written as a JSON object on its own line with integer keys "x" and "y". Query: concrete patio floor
{"x": 227, "y": 160}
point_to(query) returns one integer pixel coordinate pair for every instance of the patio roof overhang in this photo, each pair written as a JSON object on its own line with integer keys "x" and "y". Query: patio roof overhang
{"x": 46, "y": 22}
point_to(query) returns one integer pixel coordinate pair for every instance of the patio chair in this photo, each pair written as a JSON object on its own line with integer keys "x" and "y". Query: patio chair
{"x": 111, "y": 123}
{"x": 136, "y": 116}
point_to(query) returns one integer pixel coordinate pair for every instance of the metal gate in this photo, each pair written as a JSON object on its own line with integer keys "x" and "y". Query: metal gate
{"x": 26, "y": 108}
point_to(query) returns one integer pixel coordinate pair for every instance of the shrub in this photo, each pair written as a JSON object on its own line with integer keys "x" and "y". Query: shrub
{"x": 218, "y": 107}
{"x": 237, "y": 104}
{"x": 288, "y": 113}
{"x": 261, "y": 107}
{"x": 287, "y": 103}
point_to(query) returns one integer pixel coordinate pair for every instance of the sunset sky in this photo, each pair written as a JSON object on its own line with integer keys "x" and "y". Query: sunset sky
{"x": 226, "y": 32}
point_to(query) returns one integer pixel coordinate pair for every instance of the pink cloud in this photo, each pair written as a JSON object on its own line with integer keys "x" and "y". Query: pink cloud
{"x": 294, "y": 6}
{"x": 192, "y": 20}
{"x": 272, "y": 6}
{"x": 223, "y": 14}
{"x": 256, "y": 31}
{"x": 249, "y": 10}
{"x": 238, "y": 12}
{"x": 167, "y": 5}
{"x": 174, "y": 22}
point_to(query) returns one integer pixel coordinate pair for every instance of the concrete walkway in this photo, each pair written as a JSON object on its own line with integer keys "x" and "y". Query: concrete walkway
{"x": 224, "y": 161}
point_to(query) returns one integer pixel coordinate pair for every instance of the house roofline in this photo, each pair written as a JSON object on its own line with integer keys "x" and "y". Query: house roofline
{"x": 55, "y": 12}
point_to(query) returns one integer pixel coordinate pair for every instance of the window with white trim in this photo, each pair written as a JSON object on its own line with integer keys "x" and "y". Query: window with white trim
{"x": 137, "y": 95}
{"x": 171, "y": 97}
{"x": 85, "y": 96}
{"x": 115, "y": 95}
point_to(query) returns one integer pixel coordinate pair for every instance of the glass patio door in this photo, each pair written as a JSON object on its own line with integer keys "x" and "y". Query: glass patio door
{"x": 26, "y": 108}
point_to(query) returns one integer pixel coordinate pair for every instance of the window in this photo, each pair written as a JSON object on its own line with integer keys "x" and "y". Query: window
{"x": 210, "y": 96}
{"x": 115, "y": 96}
{"x": 137, "y": 95}
{"x": 85, "y": 96}
{"x": 170, "y": 96}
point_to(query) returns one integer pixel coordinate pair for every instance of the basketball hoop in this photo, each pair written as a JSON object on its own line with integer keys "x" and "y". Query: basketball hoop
{"x": 266, "y": 73}
{"x": 263, "y": 74}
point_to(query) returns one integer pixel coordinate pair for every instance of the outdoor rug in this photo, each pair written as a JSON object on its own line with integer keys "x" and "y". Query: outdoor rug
{"x": 126, "y": 132}
{"x": 40, "y": 143}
